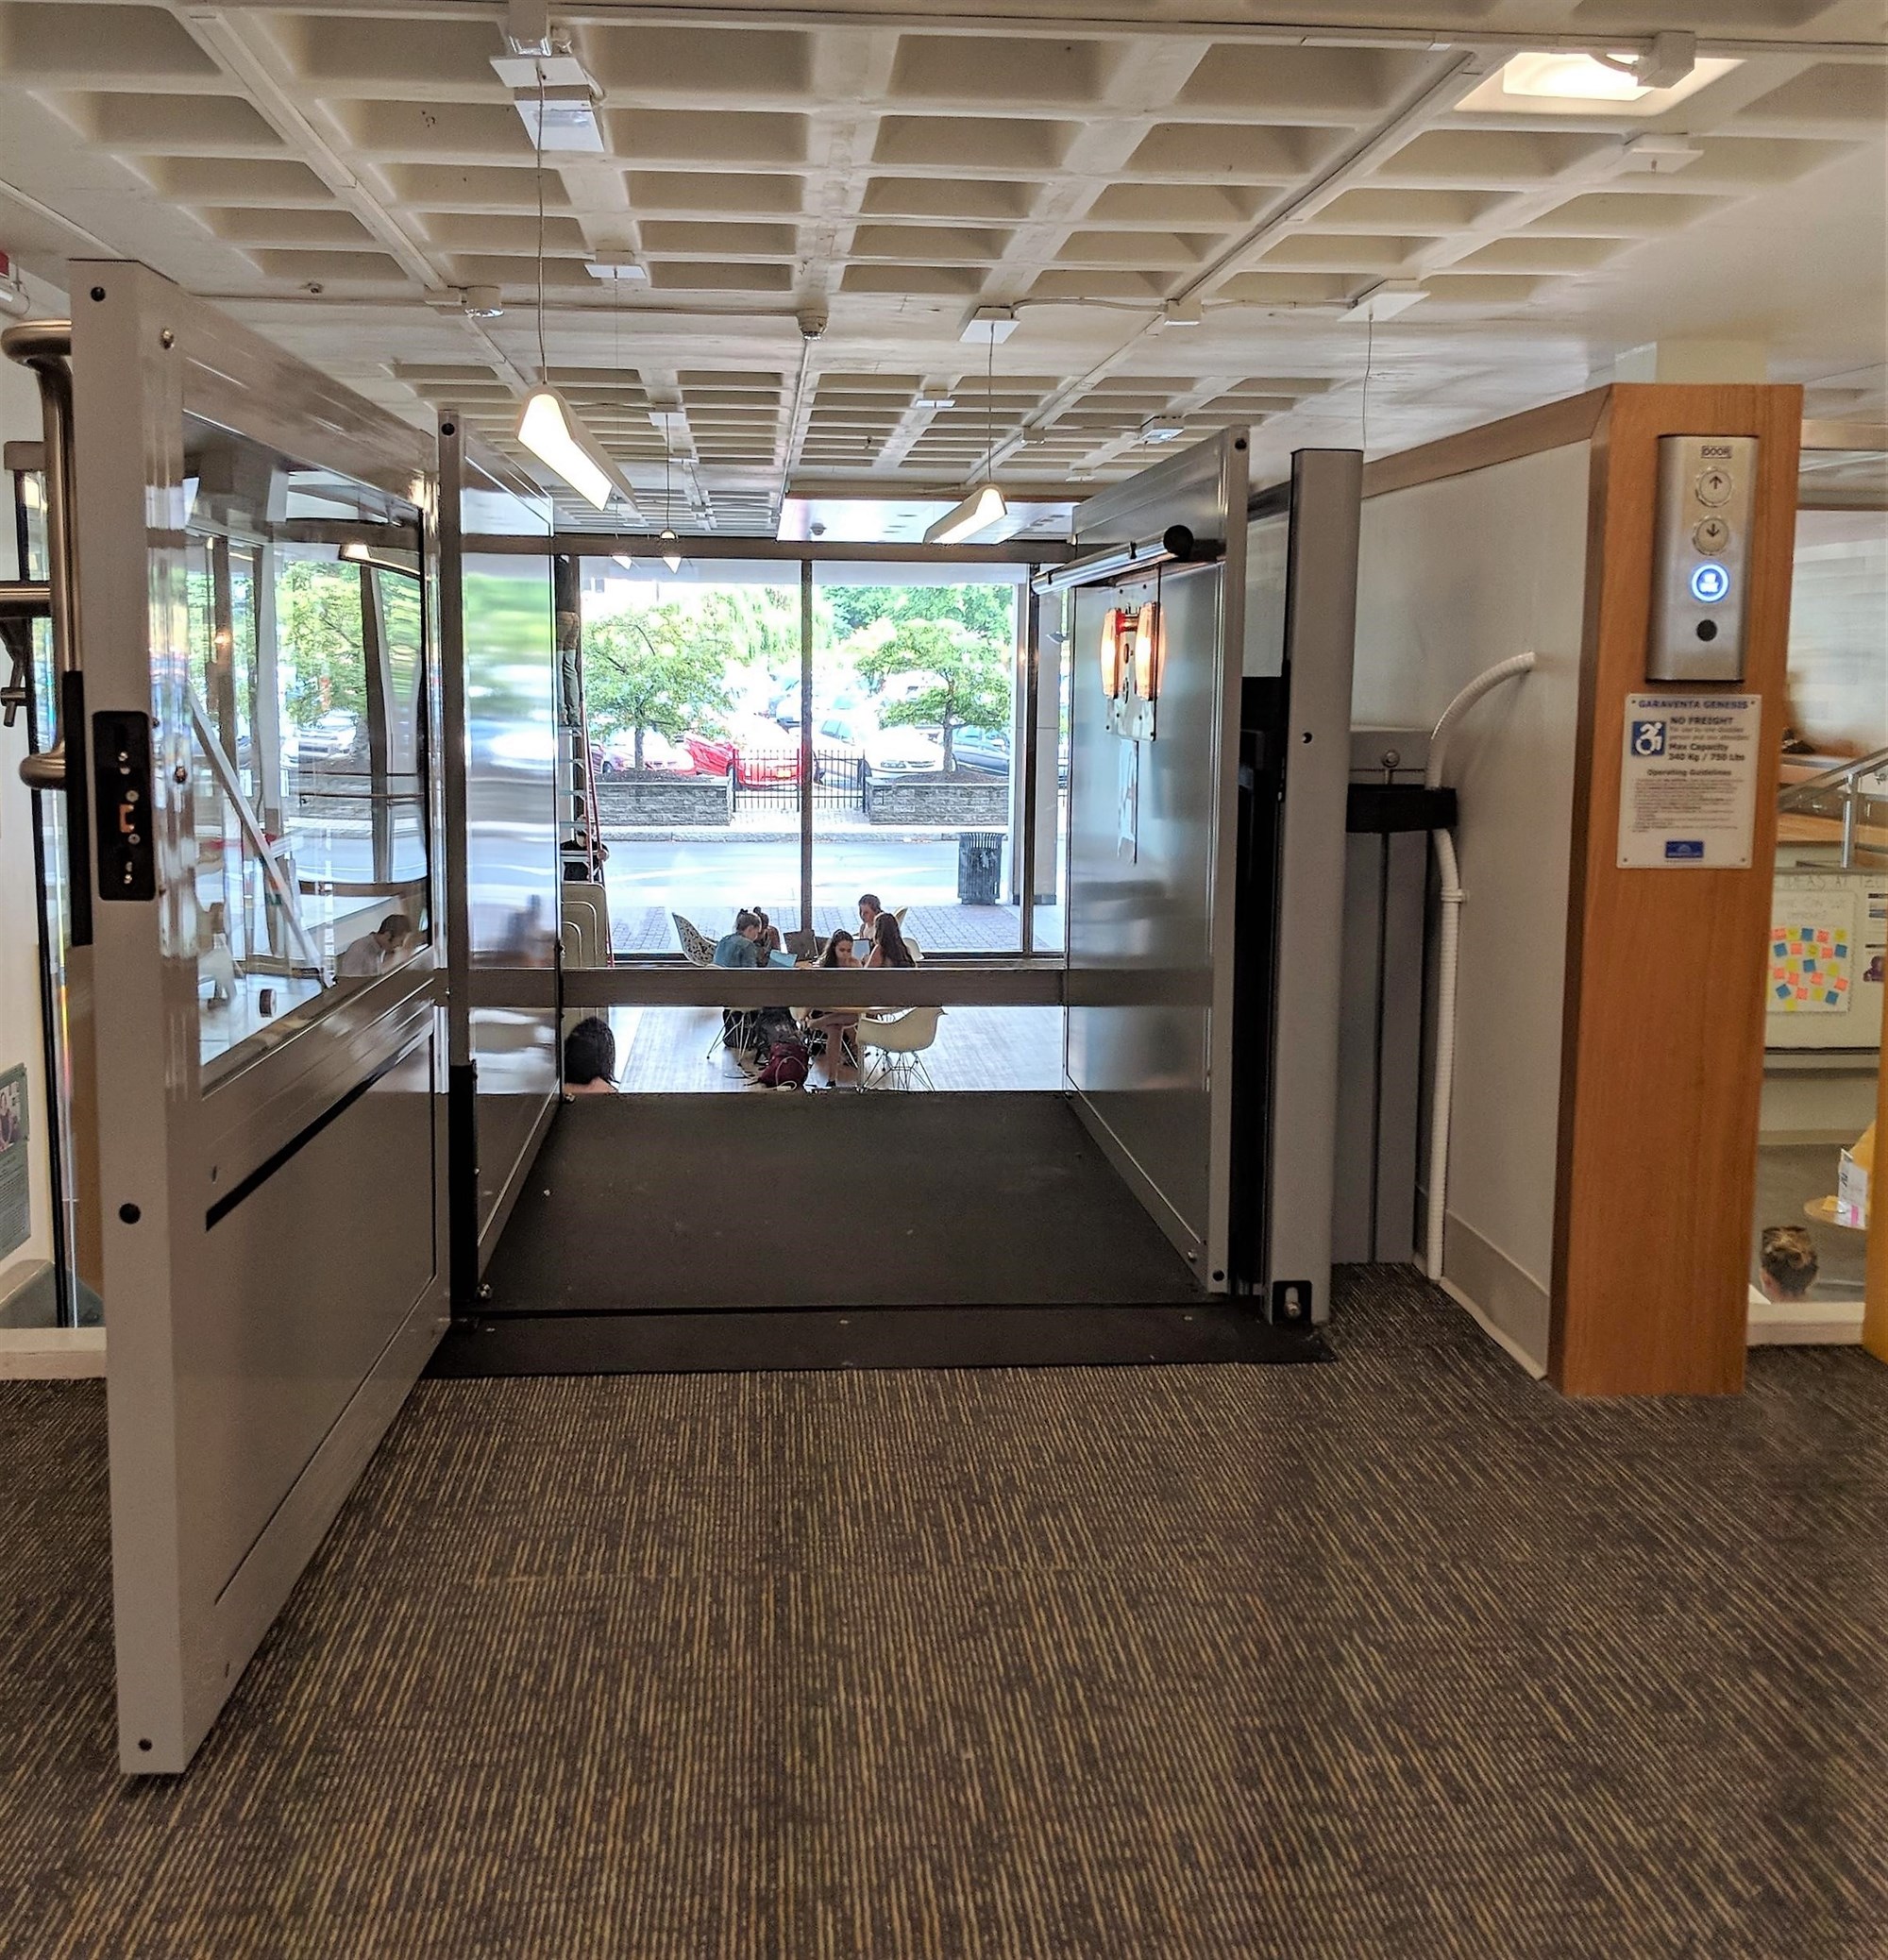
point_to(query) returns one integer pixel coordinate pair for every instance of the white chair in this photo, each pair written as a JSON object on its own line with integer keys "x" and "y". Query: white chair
{"x": 893, "y": 1050}
{"x": 697, "y": 949}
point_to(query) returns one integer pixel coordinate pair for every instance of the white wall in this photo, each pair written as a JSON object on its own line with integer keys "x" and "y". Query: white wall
{"x": 1455, "y": 576}
{"x": 20, "y": 1036}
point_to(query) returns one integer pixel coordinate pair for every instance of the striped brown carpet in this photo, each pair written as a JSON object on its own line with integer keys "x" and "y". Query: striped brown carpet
{"x": 1401, "y": 1657}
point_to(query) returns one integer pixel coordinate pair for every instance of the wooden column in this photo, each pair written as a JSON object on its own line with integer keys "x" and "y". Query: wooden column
{"x": 1662, "y": 1042}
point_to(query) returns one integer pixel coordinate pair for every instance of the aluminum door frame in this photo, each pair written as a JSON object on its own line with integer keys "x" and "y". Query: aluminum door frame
{"x": 176, "y": 1164}
{"x": 475, "y": 1228}
{"x": 1323, "y": 500}
{"x": 1204, "y": 489}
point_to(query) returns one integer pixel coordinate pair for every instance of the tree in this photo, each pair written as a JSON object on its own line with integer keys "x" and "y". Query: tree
{"x": 661, "y": 672}
{"x": 969, "y": 679}
{"x": 989, "y": 611}
{"x": 318, "y": 630}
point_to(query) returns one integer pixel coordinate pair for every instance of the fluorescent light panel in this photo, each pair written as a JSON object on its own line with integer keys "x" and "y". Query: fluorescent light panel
{"x": 561, "y": 121}
{"x": 552, "y": 432}
{"x": 1556, "y": 83}
{"x": 984, "y": 507}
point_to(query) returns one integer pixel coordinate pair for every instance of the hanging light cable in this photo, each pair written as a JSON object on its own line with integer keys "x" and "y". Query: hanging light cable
{"x": 984, "y": 505}
{"x": 672, "y": 557}
{"x": 548, "y": 427}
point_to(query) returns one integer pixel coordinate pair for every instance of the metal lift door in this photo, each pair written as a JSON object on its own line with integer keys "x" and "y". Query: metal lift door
{"x": 256, "y": 576}
{"x": 1152, "y": 841}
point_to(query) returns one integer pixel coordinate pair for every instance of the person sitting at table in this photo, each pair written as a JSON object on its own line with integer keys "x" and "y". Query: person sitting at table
{"x": 888, "y": 947}
{"x": 838, "y": 1023}
{"x": 590, "y": 1058}
{"x": 741, "y": 947}
{"x": 378, "y": 951}
{"x": 749, "y": 944}
{"x": 870, "y": 909}
{"x": 1787, "y": 1266}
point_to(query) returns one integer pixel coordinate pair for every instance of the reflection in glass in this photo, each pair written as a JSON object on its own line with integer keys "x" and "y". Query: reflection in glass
{"x": 303, "y": 696}
{"x": 693, "y": 691}
{"x": 1829, "y": 935}
{"x": 917, "y": 745}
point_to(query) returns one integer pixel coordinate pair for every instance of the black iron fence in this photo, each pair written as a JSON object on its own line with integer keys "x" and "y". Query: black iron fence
{"x": 768, "y": 778}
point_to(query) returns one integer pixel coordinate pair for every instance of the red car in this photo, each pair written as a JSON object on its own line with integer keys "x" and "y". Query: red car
{"x": 714, "y": 755}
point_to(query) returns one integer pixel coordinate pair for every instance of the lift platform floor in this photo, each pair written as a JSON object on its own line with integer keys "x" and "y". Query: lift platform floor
{"x": 837, "y": 1230}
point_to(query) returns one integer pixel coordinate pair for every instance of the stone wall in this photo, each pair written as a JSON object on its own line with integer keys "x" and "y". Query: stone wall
{"x": 649, "y": 802}
{"x": 965, "y": 800}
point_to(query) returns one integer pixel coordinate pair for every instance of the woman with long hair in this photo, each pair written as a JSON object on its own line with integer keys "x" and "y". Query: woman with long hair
{"x": 839, "y": 1023}
{"x": 888, "y": 947}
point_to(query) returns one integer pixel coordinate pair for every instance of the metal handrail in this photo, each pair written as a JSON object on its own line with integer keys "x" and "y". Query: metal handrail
{"x": 1840, "y": 786}
{"x": 1840, "y": 780}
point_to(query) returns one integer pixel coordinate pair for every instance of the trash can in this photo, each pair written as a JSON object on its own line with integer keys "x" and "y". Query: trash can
{"x": 979, "y": 866}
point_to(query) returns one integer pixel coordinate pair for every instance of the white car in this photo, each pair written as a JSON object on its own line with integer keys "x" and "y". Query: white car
{"x": 904, "y": 751}
{"x": 660, "y": 755}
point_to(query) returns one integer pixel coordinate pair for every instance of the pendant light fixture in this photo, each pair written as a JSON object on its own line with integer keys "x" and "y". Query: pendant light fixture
{"x": 985, "y": 506}
{"x": 672, "y": 556}
{"x": 548, "y": 427}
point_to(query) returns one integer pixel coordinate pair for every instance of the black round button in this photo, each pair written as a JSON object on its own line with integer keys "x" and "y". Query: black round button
{"x": 1707, "y": 629}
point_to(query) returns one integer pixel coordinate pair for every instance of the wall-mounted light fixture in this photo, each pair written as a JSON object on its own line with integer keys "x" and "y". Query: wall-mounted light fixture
{"x": 1130, "y": 651}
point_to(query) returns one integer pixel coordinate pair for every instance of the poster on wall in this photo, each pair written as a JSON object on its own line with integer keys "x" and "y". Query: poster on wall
{"x": 16, "y": 1187}
{"x": 1811, "y": 951}
{"x": 1688, "y": 785}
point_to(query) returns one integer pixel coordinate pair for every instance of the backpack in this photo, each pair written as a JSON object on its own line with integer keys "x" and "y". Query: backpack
{"x": 786, "y": 1066}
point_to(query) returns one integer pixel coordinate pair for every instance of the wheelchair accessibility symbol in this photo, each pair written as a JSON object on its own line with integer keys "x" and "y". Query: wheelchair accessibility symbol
{"x": 1649, "y": 739}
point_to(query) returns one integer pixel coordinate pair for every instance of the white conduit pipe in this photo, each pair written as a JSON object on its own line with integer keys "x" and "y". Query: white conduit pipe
{"x": 1441, "y": 1094}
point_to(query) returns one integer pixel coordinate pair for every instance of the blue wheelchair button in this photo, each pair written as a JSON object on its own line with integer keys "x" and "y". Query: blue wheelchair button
{"x": 1710, "y": 583}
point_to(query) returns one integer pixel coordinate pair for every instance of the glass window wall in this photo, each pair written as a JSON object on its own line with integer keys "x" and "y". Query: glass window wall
{"x": 1829, "y": 935}
{"x": 303, "y": 693}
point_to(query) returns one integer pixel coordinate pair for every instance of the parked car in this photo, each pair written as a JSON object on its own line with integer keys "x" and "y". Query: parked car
{"x": 983, "y": 749}
{"x": 331, "y": 737}
{"x": 659, "y": 754}
{"x": 904, "y": 751}
{"x": 713, "y": 755}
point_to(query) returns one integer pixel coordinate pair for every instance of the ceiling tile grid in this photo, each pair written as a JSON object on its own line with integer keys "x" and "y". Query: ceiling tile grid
{"x": 815, "y": 201}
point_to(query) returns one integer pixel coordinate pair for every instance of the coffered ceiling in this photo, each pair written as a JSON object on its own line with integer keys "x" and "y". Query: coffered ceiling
{"x": 817, "y": 201}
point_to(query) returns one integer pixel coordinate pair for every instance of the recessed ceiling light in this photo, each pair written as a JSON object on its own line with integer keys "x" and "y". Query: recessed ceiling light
{"x": 1558, "y": 82}
{"x": 1578, "y": 75}
{"x": 1162, "y": 428}
{"x": 561, "y": 120}
{"x": 616, "y": 265}
{"x": 933, "y": 401}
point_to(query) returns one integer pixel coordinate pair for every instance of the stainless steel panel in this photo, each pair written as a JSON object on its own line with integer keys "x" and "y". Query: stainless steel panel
{"x": 253, "y": 1364}
{"x": 1707, "y": 488}
{"x": 1380, "y": 1009}
{"x": 346, "y": 1256}
{"x": 1150, "y": 845}
{"x": 1321, "y": 627}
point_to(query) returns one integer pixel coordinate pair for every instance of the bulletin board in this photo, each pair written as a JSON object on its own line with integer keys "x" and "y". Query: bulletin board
{"x": 1828, "y": 948}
